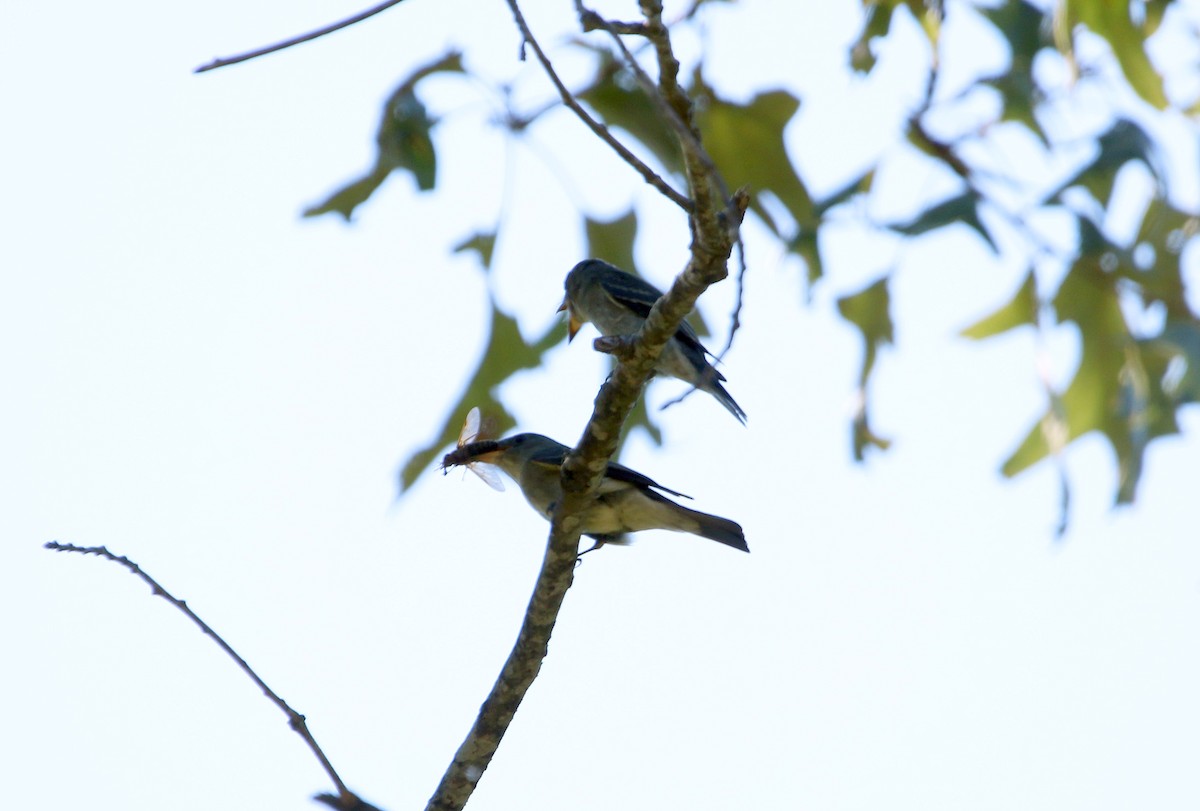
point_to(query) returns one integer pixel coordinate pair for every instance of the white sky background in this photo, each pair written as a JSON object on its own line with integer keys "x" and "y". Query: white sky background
{"x": 200, "y": 379}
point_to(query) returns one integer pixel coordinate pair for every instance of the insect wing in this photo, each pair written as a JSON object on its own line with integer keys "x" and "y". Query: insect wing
{"x": 470, "y": 429}
{"x": 469, "y": 433}
{"x": 489, "y": 473}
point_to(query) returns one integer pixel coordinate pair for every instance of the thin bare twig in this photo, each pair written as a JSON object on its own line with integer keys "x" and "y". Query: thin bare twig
{"x": 736, "y": 315}
{"x": 295, "y": 720}
{"x": 595, "y": 126}
{"x": 279, "y": 46}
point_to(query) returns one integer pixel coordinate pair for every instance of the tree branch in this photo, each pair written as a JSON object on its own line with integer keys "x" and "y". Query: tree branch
{"x": 595, "y": 126}
{"x": 279, "y": 46}
{"x": 684, "y": 129}
{"x": 476, "y": 752}
{"x": 706, "y": 220}
{"x": 346, "y": 798}
{"x": 581, "y": 475}
{"x": 713, "y": 228}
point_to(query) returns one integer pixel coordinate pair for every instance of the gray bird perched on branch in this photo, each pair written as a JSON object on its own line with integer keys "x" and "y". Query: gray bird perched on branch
{"x": 618, "y": 303}
{"x": 626, "y": 502}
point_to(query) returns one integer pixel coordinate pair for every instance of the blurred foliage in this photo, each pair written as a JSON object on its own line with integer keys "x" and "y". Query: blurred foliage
{"x": 870, "y": 311}
{"x": 404, "y": 142}
{"x": 507, "y": 353}
{"x": 1126, "y": 298}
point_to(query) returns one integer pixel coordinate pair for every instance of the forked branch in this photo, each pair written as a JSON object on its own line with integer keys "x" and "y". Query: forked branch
{"x": 714, "y": 230}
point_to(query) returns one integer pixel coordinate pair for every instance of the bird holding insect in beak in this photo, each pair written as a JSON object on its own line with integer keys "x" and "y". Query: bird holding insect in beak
{"x": 626, "y": 502}
{"x": 618, "y": 303}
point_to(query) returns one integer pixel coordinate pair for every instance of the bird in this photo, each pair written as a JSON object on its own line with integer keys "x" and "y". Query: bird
{"x": 626, "y": 502}
{"x": 618, "y": 303}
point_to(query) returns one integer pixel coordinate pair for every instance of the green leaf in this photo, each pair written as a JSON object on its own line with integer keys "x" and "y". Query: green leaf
{"x": 877, "y": 20}
{"x": 349, "y": 197}
{"x": 869, "y": 310}
{"x": 863, "y": 438}
{"x": 806, "y": 246}
{"x": 961, "y": 209}
{"x": 613, "y": 240}
{"x": 403, "y": 141}
{"x": 859, "y": 185}
{"x": 1154, "y": 10}
{"x": 506, "y": 354}
{"x": 1164, "y": 233}
{"x": 1019, "y": 92}
{"x": 1020, "y": 310}
{"x": 1126, "y": 141}
{"x": 404, "y": 138}
{"x": 1123, "y": 142}
{"x": 1179, "y": 342}
{"x": 1111, "y": 20}
{"x": 483, "y": 243}
{"x": 617, "y": 99}
{"x": 1120, "y": 388}
{"x": 1024, "y": 26}
{"x": 746, "y": 143}
{"x": 1088, "y": 297}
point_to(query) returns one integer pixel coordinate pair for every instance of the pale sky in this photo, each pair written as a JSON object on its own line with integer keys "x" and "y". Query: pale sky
{"x": 203, "y": 381}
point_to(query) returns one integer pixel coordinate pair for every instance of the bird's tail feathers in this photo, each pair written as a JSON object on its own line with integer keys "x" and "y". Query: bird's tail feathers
{"x": 723, "y": 397}
{"x": 718, "y": 529}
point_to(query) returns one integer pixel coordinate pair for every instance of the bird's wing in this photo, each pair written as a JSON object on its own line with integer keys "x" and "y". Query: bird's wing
{"x": 620, "y": 473}
{"x": 553, "y": 455}
{"x": 550, "y": 456}
{"x": 639, "y": 296}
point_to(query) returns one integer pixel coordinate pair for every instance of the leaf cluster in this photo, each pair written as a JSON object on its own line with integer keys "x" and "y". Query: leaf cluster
{"x": 1130, "y": 382}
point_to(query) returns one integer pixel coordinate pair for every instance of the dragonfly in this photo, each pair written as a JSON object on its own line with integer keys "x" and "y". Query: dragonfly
{"x": 470, "y": 434}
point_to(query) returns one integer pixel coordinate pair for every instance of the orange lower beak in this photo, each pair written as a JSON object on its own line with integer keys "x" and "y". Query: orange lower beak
{"x": 573, "y": 323}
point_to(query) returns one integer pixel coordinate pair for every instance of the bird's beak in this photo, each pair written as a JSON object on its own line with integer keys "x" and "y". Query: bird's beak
{"x": 472, "y": 452}
{"x": 491, "y": 457}
{"x": 573, "y": 323}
